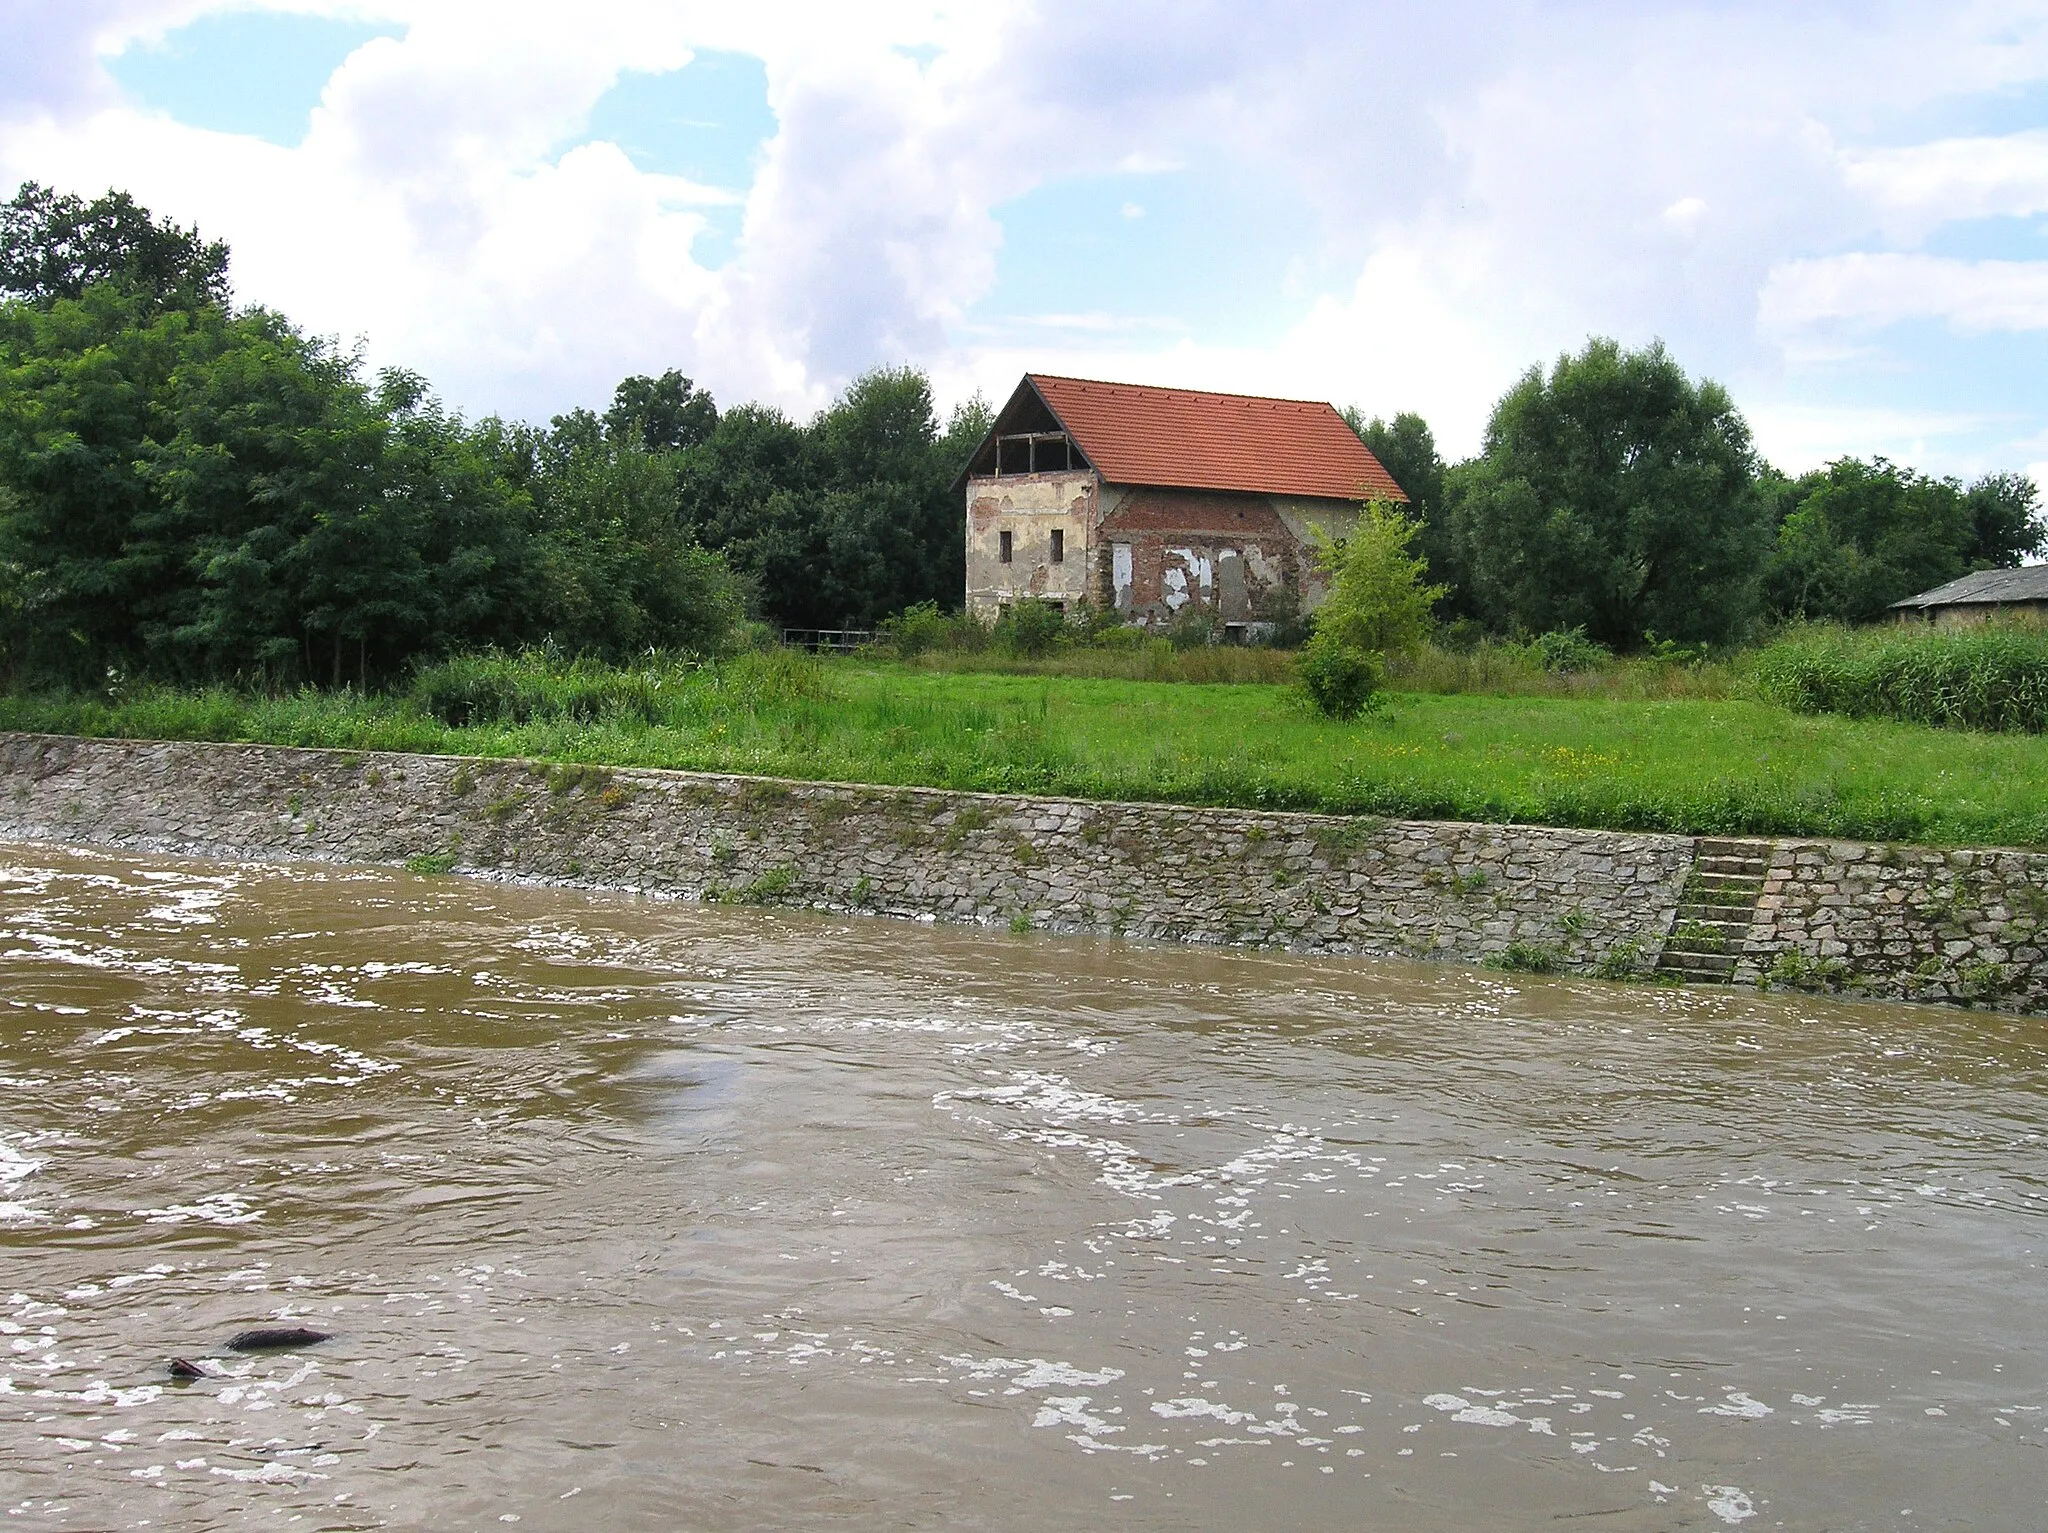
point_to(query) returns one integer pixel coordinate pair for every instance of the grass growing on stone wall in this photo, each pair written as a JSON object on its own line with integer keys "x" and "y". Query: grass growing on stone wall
{"x": 1699, "y": 765}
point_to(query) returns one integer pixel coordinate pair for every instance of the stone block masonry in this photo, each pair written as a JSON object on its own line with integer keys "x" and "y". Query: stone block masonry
{"x": 1900, "y": 922}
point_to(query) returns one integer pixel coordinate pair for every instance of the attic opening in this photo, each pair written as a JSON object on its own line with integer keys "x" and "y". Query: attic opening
{"x": 1035, "y": 452}
{"x": 1027, "y": 438}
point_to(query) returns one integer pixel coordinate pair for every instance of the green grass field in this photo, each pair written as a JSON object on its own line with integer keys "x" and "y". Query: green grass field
{"x": 1713, "y": 765}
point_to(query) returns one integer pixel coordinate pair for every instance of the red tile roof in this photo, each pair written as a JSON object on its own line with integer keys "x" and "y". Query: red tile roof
{"x": 1136, "y": 434}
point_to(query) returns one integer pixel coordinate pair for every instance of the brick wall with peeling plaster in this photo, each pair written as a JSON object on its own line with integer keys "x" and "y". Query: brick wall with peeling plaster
{"x": 1900, "y": 922}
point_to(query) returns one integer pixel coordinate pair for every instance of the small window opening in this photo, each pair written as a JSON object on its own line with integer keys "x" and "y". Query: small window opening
{"x": 1059, "y": 546}
{"x": 1003, "y": 547}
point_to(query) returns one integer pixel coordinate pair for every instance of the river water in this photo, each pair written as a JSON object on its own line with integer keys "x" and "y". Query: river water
{"x": 630, "y": 1214}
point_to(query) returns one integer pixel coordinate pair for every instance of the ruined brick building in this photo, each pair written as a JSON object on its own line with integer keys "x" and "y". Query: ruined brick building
{"x": 1148, "y": 499}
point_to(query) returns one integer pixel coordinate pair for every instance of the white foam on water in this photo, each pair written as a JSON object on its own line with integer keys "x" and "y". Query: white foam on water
{"x": 1730, "y": 1503}
{"x": 1195, "y": 1405}
{"x": 1459, "y": 1409}
{"x": 1737, "y": 1404}
{"x": 220, "y": 1208}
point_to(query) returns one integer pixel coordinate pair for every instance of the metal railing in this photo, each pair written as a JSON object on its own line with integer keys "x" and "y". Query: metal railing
{"x": 835, "y": 639}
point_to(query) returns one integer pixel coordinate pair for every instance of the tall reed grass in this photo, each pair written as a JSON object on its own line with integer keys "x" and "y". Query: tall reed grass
{"x": 1992, "y": 678}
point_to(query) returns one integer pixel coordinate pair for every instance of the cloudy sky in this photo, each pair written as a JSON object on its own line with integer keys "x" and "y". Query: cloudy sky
{"x": 1840, "y": 210}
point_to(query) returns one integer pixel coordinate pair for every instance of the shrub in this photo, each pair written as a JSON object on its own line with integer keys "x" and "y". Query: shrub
{"x": 496, "y": 688}
{"x": 1988, "y": 678}
{"x": 1620, "y": 961}
{"x": 1340, "y": 680}
{"x": 1124, "y": 638}
{"x": 1031, "y": 628}
{"x": 1376, "y": 600}
{"x": 1193, "y": 627}
{"x": 915, "y": 629}
{"x": 1567, "y": 651}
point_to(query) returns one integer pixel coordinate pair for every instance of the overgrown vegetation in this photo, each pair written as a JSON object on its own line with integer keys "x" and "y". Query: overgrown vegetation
{"x": 1690, "y": 764}
{"x": 206, "y": 515}
{"x": 1993, "y": 678}
{"x": 194, "y": 492}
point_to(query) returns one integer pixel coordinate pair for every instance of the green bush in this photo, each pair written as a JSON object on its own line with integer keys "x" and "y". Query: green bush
{"x": 1987, "y": 678}
{"x": 1568, "y": 651}
{"x": 1193, "y": 627}
{"x": 496, "y": 688}
{"x": 1031, "y": 628}
{"x": 1520, "y": 957}
{"x": 1339, "y": 680}
{"x": 914, "y": 630}
{"x": 1376, "y": 600}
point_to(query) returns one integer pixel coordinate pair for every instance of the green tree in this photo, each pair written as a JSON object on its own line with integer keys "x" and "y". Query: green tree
{"x": 1855, "y": 537}
{"x": 464, "y": 501}
{"x": 1406, "y": 448}
{"x": 2005, "y": 521}
{"x": 1615, "y": 495}
{"x": 80, "y": 382}
{"x": 618, "y": 571}
{"x": 1376, "y": 600}
{"x": 844, "y": 520}
{"x": 56, "y": 246}
{"x": 289, "y": 559}
{"x": 664, "y": 414}
{"x": 1376, "y": 605}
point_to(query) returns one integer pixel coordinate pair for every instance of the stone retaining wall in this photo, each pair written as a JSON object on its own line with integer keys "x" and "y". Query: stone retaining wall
{"x": 1888, "y": 921}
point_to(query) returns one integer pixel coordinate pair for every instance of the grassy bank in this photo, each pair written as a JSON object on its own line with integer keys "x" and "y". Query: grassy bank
{"x": 1701, "y": 765}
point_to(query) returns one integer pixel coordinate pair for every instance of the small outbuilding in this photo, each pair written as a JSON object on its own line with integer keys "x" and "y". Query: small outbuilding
{"x": 1980, "y": 596}
{"x": 1147, "y": 500}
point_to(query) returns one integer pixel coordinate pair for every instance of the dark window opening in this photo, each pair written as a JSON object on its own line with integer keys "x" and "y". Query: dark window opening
{"x": 1003, "y": 547}
{"x": 1059, "y": 546}
{"x": 1035, "y": 452}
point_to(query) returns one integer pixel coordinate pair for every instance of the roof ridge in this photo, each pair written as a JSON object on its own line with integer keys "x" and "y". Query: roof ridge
{"x": 1175, "y": 388}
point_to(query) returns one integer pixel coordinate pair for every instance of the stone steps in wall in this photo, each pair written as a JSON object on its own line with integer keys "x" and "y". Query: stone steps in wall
{"x": 1751, "y": 869}
{"x": 1711, "y": 923}
{"x": 1700, "y": 968}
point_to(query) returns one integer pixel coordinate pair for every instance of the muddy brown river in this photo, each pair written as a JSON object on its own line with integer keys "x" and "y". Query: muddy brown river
{"x": 636, "y": 1215}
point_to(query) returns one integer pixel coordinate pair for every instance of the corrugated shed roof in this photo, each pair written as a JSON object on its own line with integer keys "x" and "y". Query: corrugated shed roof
{"x": 1187, "y": 439}
{"x": 1983, "y": 587}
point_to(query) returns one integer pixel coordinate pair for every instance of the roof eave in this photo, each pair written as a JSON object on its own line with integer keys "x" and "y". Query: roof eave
{"x": 1026, "y": 382}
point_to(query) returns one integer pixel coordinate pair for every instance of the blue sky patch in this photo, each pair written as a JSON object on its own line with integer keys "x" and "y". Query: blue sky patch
{"x": 1183, "y": 252}
{"x": 706, "y": 121}
{"x": 1990, "y": 239}
{"x": 257, "y": 73}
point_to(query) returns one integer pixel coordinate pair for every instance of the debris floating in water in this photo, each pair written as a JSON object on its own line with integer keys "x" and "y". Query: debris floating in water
{"x": 276, "y": 1338}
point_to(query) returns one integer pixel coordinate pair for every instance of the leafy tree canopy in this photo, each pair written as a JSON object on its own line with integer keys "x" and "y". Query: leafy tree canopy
{"x": 1406, "y": 448}
{"x": 1616, "y": 495}
{"x": 1855, "y": 537}
{"x": 1377, "y": 600}
{"x": 55, "y": 245}
{"x": 663, "y": 414}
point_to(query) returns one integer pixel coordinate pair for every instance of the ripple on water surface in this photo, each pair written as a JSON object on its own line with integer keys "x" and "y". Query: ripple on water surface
{"x": 636, "y": 1214}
